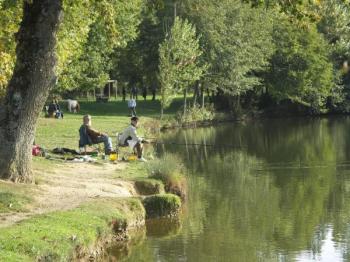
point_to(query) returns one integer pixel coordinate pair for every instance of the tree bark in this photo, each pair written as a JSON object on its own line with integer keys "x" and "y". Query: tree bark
{"x": 196, "y": 93}
{"x": 161, "y": 112}
{"x": 116, "y": 89}
{"x": 203, "y": 96}
{"x": 185, "y": 101}
{"x": 28, "y": 89}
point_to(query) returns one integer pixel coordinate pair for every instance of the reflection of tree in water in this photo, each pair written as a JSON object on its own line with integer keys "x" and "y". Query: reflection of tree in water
{"x": 276, "y": 194}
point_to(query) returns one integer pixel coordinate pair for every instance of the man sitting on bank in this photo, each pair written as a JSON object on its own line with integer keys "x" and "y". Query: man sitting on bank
{"x": 129, "y": 138}
{"x": 89, "y": 136}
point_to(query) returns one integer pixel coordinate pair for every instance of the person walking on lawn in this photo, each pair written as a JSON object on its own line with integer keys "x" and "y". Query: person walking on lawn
{"x": 129, "y": 138}
{"x": 89, "y": 136}
{"x": 132, "y": 106}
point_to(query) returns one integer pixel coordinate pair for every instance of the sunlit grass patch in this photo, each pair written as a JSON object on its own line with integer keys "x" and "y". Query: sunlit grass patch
{"x": 111, "y": 117}
{"x": 14, "y": 198}
{"x": 56, "y": 236}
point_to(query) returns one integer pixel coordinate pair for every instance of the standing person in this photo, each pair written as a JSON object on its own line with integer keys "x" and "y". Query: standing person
{"x": 132, "y": 106}
{"x": 89, "y": 136}
{"x": 129, "y": 138}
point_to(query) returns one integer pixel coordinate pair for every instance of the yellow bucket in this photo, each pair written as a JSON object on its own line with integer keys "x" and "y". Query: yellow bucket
{"x": 113, "y": 157}
{"x": 132, "y": 157}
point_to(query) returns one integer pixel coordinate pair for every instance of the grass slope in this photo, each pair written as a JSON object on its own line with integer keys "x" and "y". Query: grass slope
{"x": 56, "y": 236}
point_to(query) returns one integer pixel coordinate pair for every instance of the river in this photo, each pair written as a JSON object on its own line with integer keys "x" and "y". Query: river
{"x": 274, "y": 190}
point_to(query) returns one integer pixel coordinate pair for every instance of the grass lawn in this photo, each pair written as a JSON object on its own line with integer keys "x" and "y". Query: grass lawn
{"x": 55, "y": 235}
{"x": 14, "y": 197}
{"x": 108, "y": 117}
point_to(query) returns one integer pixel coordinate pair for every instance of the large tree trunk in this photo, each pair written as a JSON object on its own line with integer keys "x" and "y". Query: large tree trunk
{"x": 28, "y": 89}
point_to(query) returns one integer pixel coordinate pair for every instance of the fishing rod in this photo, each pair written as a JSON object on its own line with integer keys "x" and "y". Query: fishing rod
{"x": 193, "y": 144}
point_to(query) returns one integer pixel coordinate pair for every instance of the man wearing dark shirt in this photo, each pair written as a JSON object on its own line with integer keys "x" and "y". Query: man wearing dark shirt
{"x": 95, "y": 137}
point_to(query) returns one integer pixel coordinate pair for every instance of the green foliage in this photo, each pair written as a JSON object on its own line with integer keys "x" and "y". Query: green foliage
{"x": 235, "y": 44}
{"x": 73, "y": 33}
{"x": 179, "y": 64}
{"x": 131, "y": 41}
{"x": 300, "y": 68}
{"x": 112, "y": 24}
{"x": 164, "y": 167}
{"x": 196, "y": 113}
{"x": 10, "y": 17}
{"x": 334, "y": 25}
{"x": 169, "y": 169}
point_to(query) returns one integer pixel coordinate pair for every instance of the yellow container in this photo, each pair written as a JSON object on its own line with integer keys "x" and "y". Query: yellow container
{"x": 132, "y": 157}
{"x": 113, "y": 157}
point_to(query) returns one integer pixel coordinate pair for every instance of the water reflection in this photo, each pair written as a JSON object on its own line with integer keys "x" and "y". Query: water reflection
{"x": 163, "y": 227}
{"x": 281, "y": 195}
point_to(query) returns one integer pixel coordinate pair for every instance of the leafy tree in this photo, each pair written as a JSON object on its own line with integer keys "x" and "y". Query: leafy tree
{"x": 114, "y": 24}
{"x": 300, "y": 68}
{"x": 236, "y": 46}
{"x": 334, "y": 24}
{"x": 10, "y": 17}
{"x": 72, "y": 37}
{"x": 179, "y": 64}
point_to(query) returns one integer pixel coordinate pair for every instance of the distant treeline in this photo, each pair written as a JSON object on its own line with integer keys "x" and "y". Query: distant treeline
{"x": 242, "y": 54}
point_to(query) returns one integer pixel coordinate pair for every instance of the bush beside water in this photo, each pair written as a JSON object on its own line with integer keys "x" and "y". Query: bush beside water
{"x": 196, "y": 114}
{"x": 163, "y": 205}
{"x": 169, "y": 170}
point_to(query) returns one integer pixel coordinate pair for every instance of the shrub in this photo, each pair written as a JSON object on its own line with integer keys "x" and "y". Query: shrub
{"x": 152, "y": 126}
{"x": 169, "y": 169}
{"x": 164, "y": 205}
{"x": 196, "y": 113}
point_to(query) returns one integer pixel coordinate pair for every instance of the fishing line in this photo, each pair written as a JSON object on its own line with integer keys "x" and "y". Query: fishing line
{"x": 195, "y": 144}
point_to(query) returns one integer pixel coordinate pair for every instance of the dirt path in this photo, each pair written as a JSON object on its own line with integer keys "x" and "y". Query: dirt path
{"x": 69, "y": 185}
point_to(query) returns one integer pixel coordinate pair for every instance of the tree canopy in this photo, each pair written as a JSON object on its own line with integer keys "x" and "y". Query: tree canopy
{"x": 287, "y": 50}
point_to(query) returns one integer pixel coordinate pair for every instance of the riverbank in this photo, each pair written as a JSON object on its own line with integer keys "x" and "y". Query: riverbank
{"x": 77, "y": 210}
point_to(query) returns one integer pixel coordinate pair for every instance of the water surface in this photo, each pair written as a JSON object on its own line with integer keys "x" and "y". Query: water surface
{"x": 279, "y": 192}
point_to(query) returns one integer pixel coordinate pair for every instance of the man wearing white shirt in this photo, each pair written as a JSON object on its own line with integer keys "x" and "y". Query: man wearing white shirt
{"x": 129, "y": 138}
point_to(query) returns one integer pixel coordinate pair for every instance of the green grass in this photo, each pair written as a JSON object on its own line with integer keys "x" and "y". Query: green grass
{"x": 55, "y": 236}
{"x": 108, "y": 117}
{"x": 14, "y": 198}
{"x": 149, "y": 186}
{"x": 162, "y": 205}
